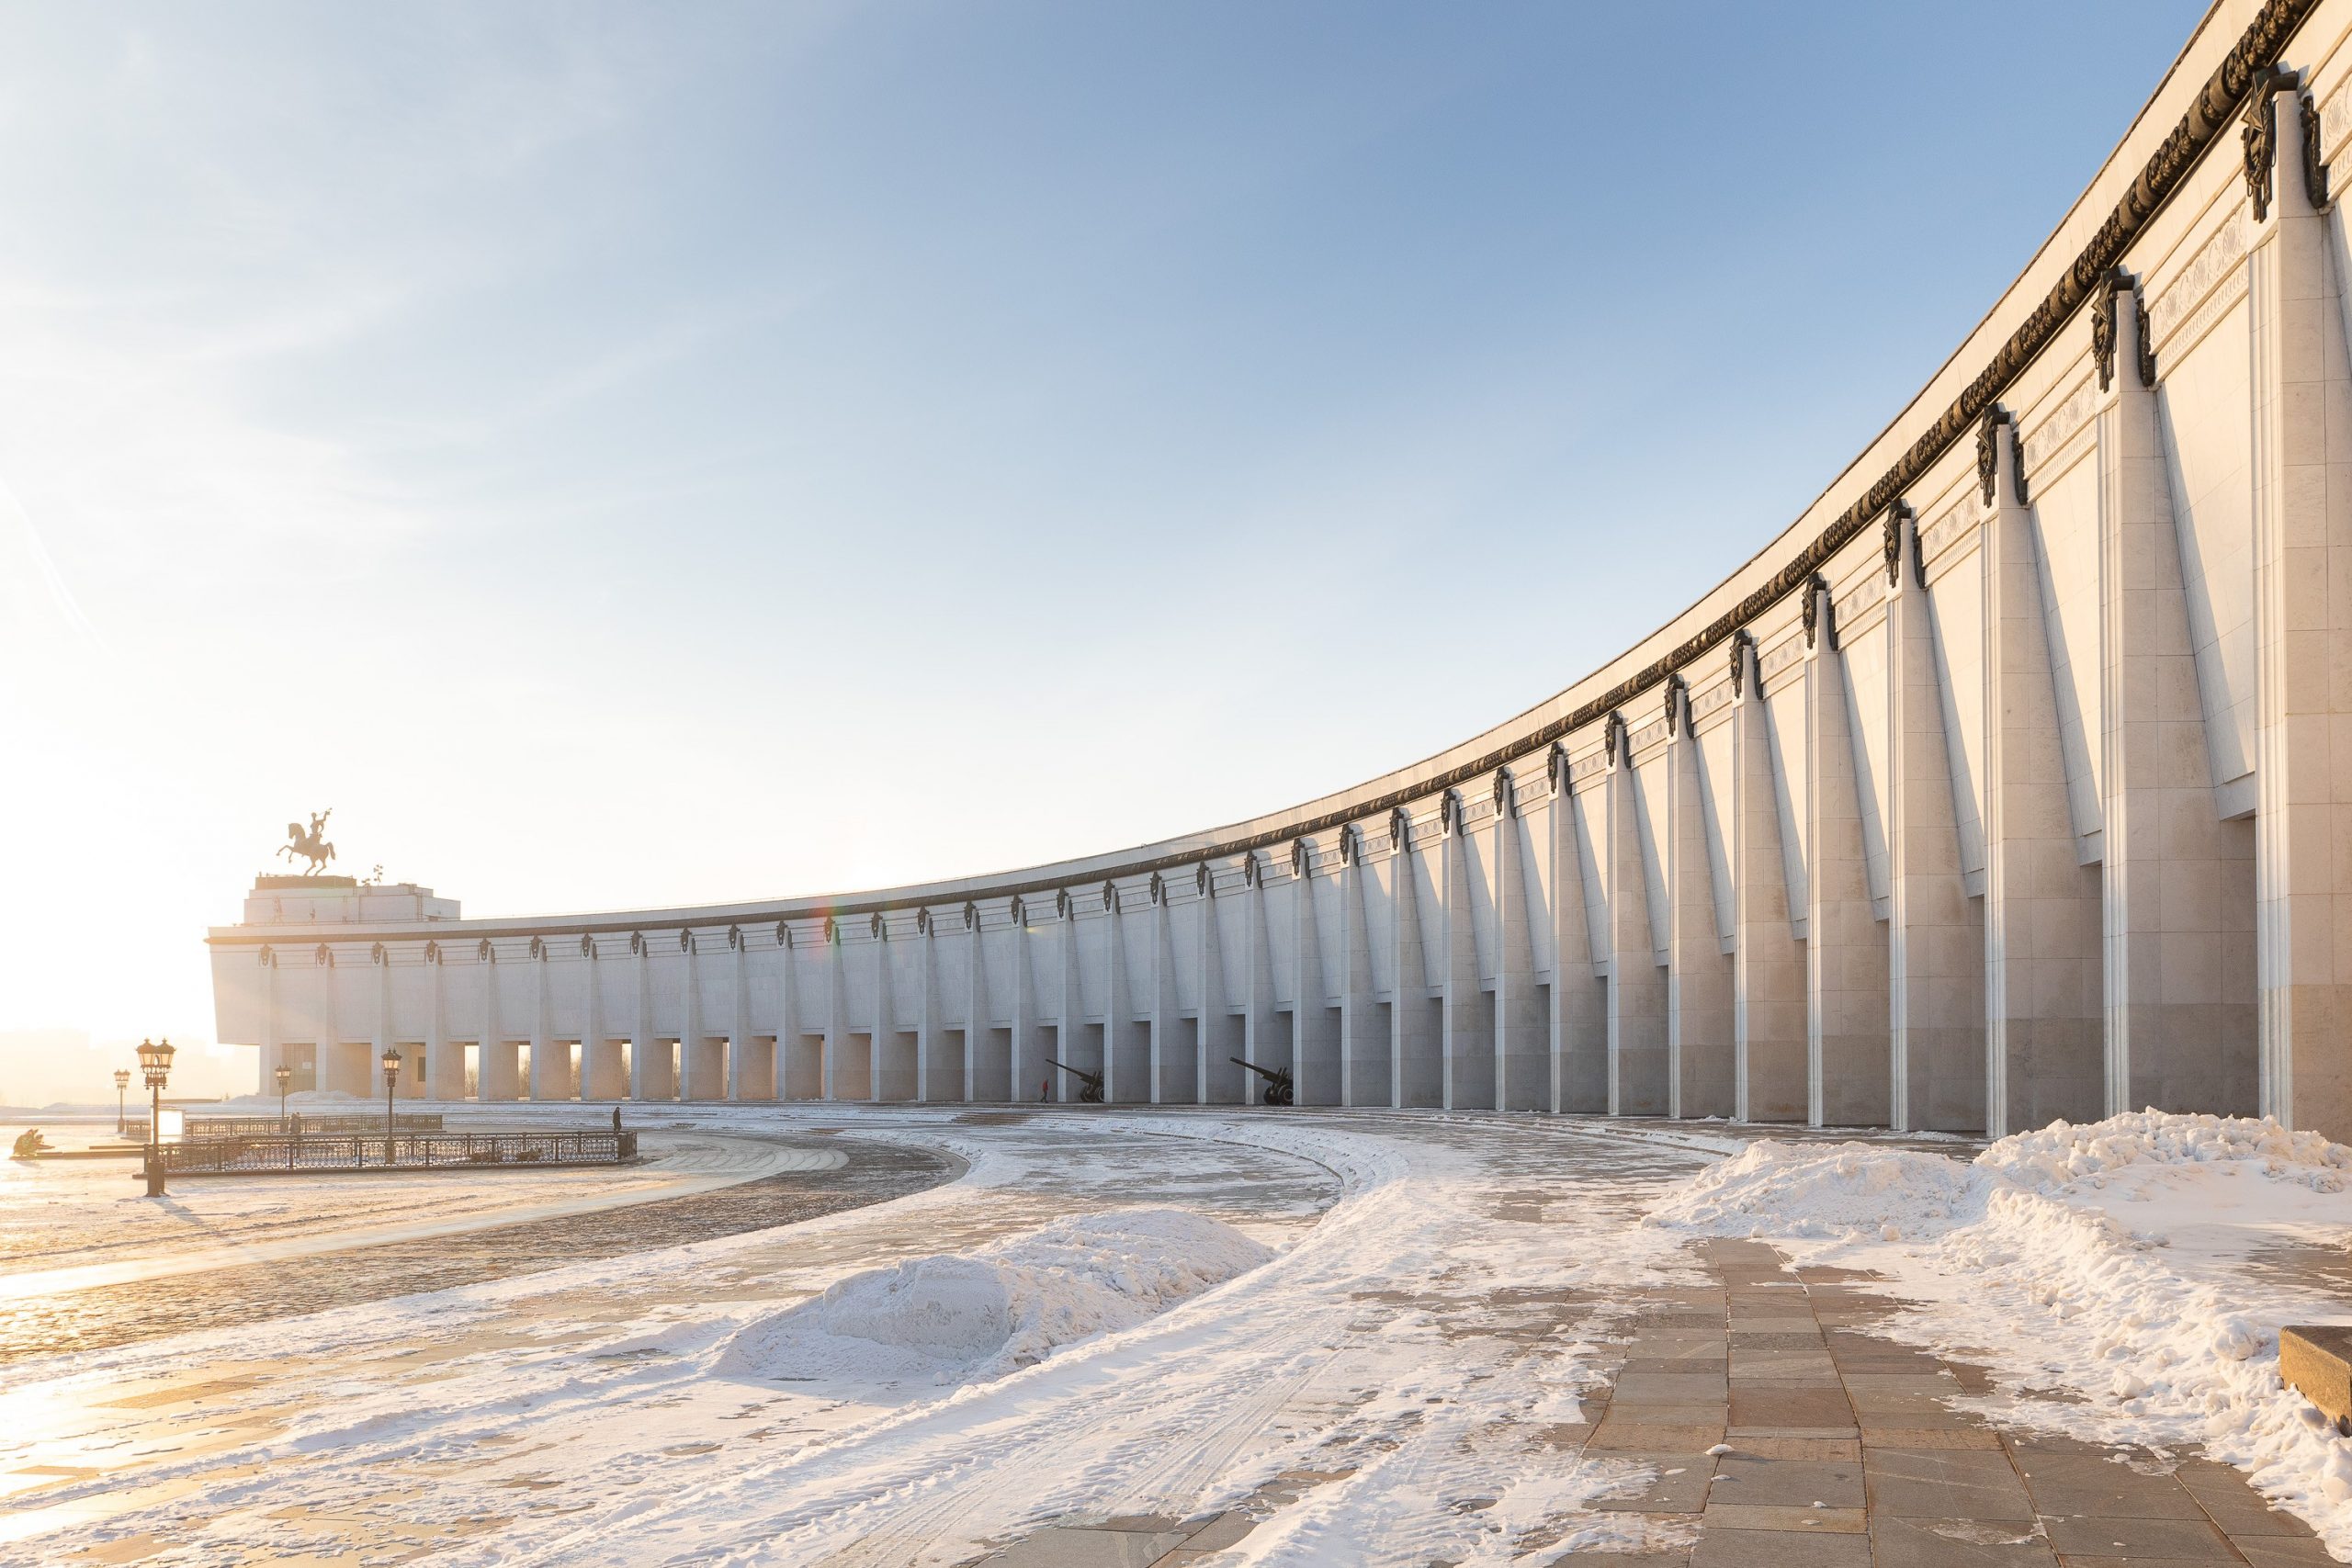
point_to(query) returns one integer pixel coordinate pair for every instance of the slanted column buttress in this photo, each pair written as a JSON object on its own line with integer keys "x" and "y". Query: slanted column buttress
{"x": 1579, "y": 1021}
{"x": 1698, "y": 974}
{"x": 1167, "y": 1011}
{"x": 1125, "y": 1059}
{"x": 1769, "y": 1029}
{"x": 1415, "y": 1073}
{"x": 1935, "y": 931}
{"x": 1069, "y": 1001}
{"x": 885, "y": 1074}
{"x": 599, "y": 1074}
{"x": 546, "y": 1079}
{"x": 1218, "y": 1080}
{"x": 2043, "y": 1046}
{"x": 1028, "y": 1054}
{"x": 985, "y": 1078}
{"x": 2302, "y": 547}
{"x": 1637, "y": 1066}
{"x": 380, "y": 958}
{"x": 836, "y": 1011}
{"x": 695, "y": 1079}
{"x": 1846, "y": 950}
{"x": 445, "y": 1067}
{"x": 938, "y": 1076}
{"x": 1261, "y": 1045}
{"x": 1522, "y": 1035}
{"x": 1363, "y": 1038}
{"x": 1315, "y": 1025}
{"x": 2179, "y": 986}
{"x": 1468, "y": 1013}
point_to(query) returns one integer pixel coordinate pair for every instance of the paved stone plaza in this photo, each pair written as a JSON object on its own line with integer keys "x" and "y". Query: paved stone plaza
{"x": 1466, "y": 1345}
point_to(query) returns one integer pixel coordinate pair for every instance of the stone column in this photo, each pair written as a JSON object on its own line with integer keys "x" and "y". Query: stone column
{"x": 800, "y": 1068}
{"x": 986, "y": 1075}
{"x": 1315, "y": 1026}
{"x": 1468, "y": 1026}
{"x": 888, "y": 1075}
{"x": 2042, "y": 1028}
{"x": 1579, "y": 1019}
{"x": 1699, "y": 972}
{"x": 1770, "y": 1047}
{"x": 940, "y": 1074}
{"x": 1125, "y": 1060}
{"x": 444, "y": 1062}
{"x": 601, "y": 1077}
{"x": 495, "y": 1074}
{"x": 1029, "y": 1071}
{"x": 1416, "y": 1074}
{"x": 1170, "y": 1076}
{"x": 1070, "y": 1023}
{"x": 1261, "y": 1042}
{"x": 836, "y": 1016}
{"x": 1845, "y": 949}
{"x": 1637, "y": 1082}
{"x": 1218, "y": 1080}
{"x": 2302, "y": 529}
{"x": 1364, "y": 1032}
{"x": 1523, "y": 1031}
{"x": 1935, "y": 932}
{"x": 2178, "y": 988}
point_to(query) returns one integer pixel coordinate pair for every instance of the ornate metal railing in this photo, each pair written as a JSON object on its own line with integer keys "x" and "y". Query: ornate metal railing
{"x": 445, "y": 1151}
{"x": 300, "y": 1121}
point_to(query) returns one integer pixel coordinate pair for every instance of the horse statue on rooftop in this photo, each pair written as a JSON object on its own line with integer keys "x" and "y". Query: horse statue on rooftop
{"x": 312, "y": 846}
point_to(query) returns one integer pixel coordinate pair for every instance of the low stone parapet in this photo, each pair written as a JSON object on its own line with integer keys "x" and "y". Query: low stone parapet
{"x": 2315, "y": 1360}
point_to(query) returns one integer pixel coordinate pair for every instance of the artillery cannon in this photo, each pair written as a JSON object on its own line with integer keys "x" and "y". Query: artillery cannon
{"x": 1089, "y": 1085}
{"x": 1278, "y": 1086}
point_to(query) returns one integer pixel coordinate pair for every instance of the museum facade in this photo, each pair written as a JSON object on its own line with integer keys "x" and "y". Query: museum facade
{"x": 2013, "y": 781}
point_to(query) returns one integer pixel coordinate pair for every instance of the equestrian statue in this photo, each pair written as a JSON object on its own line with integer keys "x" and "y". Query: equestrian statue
{"x": 312, "y": 846}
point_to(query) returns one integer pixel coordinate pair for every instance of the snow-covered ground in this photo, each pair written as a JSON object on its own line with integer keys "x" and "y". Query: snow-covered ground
{"x": 1159, "y": 1314}
{"x": 1393, "y": 1299}
{"x": 2140, "y": 1267}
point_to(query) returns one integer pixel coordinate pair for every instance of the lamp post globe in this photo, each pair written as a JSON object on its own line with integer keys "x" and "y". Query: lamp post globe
{"x": 156, "y": 1064}
{"x": 121, "y": 1085}
{"x": 392, "y": 1066}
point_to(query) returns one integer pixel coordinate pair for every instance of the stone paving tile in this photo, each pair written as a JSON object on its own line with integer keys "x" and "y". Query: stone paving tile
{"x": 1842, "y": 1451}
{"x": 2178, "y": 1540}
{"x": 1958, "y": 1544}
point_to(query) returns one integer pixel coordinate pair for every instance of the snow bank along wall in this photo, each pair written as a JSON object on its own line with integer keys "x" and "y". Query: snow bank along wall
{"x": 2013, "y": 781}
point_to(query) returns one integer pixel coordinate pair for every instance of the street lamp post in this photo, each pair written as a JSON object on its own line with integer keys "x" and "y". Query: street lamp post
{"x": 391, "y": 1064}
{"x": 121, "y": 1083}
{"x": 156, "y": 1064}
{"x": 285, "y": 1076}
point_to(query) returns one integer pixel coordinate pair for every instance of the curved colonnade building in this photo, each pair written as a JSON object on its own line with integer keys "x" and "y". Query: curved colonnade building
{"x": 2013, "y": 781}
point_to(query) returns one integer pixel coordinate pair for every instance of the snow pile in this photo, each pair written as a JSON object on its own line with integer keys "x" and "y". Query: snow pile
{"x": 957, "y": 1317}
{"x": 2063, "y": 1152}
{"x": 2024, "y": 1238}
{"x": 1826, "y": 1191}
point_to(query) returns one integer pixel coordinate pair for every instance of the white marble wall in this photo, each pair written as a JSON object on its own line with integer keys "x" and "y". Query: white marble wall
{"x": 2047, "y": 812}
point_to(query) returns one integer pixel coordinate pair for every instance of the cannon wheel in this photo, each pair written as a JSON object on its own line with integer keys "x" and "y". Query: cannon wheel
{"x": 1278, "y": 1095}
{"x": 1089, "y": 1095}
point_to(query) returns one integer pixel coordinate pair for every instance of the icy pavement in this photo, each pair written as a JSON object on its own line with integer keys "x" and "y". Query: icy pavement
{"x": 1381, "y": 1338}
{"x": 66, "y": 1223}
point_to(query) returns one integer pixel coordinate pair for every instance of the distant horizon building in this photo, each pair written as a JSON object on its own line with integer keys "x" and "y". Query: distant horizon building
{"x": 2013, "y": 781}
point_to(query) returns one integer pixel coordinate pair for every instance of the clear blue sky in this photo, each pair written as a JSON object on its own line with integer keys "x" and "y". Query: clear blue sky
{"x": 635, "y": 454}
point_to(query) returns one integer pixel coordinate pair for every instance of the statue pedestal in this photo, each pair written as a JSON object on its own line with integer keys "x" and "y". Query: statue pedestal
{"x": 341, "y": 900}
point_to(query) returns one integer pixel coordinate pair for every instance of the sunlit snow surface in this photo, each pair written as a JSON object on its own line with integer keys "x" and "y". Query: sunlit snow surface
{"x": 1193, "y": 1303}
{"x": 1131, "y": 1313}
{"x": 2128, "y": 1262}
